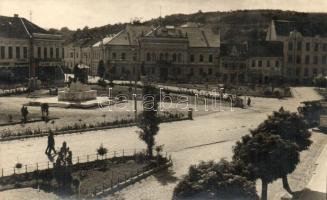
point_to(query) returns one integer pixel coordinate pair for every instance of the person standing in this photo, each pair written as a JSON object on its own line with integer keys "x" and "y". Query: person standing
{"x": 51, "y": 144}
{"x": 249, "y": 101}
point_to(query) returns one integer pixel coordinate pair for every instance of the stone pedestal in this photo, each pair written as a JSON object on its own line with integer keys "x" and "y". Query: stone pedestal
{"x": 77, "y": 92}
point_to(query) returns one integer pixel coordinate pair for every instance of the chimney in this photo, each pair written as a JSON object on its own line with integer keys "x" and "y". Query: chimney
{"x": 15, "y": 15}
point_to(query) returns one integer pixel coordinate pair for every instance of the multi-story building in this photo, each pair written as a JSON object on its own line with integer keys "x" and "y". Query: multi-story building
{"x": 164, "y": 53}
{"x": 259, "y": 62}
{"x": 27, "y": 51}
{"x": 305, "y": 48}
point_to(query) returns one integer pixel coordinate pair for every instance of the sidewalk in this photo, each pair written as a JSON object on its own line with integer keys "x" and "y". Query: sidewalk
{"x": 316, "y": 189}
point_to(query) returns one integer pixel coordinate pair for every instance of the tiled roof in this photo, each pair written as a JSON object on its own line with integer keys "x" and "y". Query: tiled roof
{"x": 309, "y": 29}
{"x": 130, "y": 35}
{"x": 196, "y": 36}
{"x": 14, "y": 27}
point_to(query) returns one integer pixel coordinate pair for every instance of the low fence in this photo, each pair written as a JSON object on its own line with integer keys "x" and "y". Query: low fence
{"x": 28, "y": 168}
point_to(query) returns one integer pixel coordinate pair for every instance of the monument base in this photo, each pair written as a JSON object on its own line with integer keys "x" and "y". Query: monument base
{"x": 79, "y": 96}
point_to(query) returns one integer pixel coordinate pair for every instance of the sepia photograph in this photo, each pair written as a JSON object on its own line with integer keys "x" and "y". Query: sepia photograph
{"x": 163, "y": 99}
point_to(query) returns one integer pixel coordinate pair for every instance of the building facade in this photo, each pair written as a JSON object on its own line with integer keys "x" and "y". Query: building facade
{"x": 28, "y": 51}
{"x": 259, "y": 62}
{"x": 164, "y": 53}
{"x": 305, "y": 49}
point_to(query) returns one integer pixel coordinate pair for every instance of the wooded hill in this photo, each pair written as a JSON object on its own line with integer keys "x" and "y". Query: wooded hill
{"x": 237, "y": 25}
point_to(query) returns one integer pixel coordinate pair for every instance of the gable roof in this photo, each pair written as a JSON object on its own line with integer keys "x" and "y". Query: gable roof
{"x": 307, "y": 29}
{"x": 17, "y": 27}
{"x": 129, "y": 35}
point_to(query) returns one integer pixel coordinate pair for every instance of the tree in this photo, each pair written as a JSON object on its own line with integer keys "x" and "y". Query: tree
{"x": 267, "y": 156}
{"x": 210, "y": 180}
{"x": 289, "y": 126}
{"x": 101, "y": 69}
{"x": 320, "y": 81}
{"x": 148, "y": 119}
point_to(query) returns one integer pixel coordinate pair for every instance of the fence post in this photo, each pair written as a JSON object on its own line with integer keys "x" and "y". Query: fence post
{"x": 2, "y": 172}
{"x": 111, "y": 183}
{"x": 37, "y": 166}
{"x": 77, "y": 159}
{"x": 25, "y": 168}
{"x": 118, "y": 179}
{"x": 48, "y": 165}
{"x": 114, "y": 154}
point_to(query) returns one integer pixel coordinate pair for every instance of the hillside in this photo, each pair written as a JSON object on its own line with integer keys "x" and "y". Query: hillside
{"x": 237, "y": 25}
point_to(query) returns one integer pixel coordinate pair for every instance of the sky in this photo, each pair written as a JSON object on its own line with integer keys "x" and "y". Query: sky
{"x": 80, "y": 13}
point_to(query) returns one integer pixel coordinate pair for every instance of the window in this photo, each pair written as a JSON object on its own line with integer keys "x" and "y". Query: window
{"x": 290, "y": 59}
{"x": 210, "y": 58}
{"x": 166, "y": 56}
{"x": 277, "y": 63}
{"x": 306, "y": 72}
{"x": 180, "y": 57}
{"x": 71, "y": 54}
{"x": 314, "y": 71}
{"x": 161, "y": 57}
{"x": 253, "y": 63}
{"x": 17, "y": 52}
{"x": 62, "y": 53}
{"x": 298, "y": 59}
{"x": 154, "y": 57}
{"x": 153, "y": 70}
{"x": 192, "y": 58}
{"x": 210, "y": 71}
{"x": 57, "y": 53}
{"x": 2, "y": 49}
{"x": 174, "y": 57}
{"x": 135, "y": 57}
{"x": 39, "y": 52}
{"x": 324, "y": 47}
{"x": 51, "y": 52}
{"x": 113, "y": 55}
{"x": 316, "y": 46}
{"x": 307, "y": 59}
{"x": 148, "y": 57}
{"x": 299, "y": 46}
{"x": 315, "y": 60}
{"x": 25, "y": 52}
{"x": 201, "y": 58}
{"x": 307, "y": 46}
{"x": 10, "y": 52}
{"x": 268, "y": 63}
{"x": 76, "y": 54}
{"x": 260, "y": 63}
{"x": 323, "y": 59}
{"x": 290, "y": 46}
{"x": 123, "y": 56}
{"x": 45, "y": 53}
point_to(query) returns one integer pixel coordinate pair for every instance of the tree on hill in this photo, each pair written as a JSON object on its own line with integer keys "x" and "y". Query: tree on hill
{"x": 210, "y": 180}
{"x": 267, "y": 156}
{"x": 289, "y": 126}
{"x": 148, "y": 120}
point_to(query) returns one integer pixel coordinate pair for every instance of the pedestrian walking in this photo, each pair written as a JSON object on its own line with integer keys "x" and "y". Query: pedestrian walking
{"x": 51, "y": 144}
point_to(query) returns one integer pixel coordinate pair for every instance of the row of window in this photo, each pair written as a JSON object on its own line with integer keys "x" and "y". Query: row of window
{"x": 299, "y": 44}
{"x": 49, "y": 52}
{"x": 164, "y": 57}
{"x": 10, "y": 50}
{"x": 267, "y": 63}
{"x": 201, "y": 58}
{"x": 307, "y": 59}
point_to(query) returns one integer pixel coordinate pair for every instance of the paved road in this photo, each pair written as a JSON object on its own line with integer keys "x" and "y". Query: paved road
{"x": 207, "y": 137}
